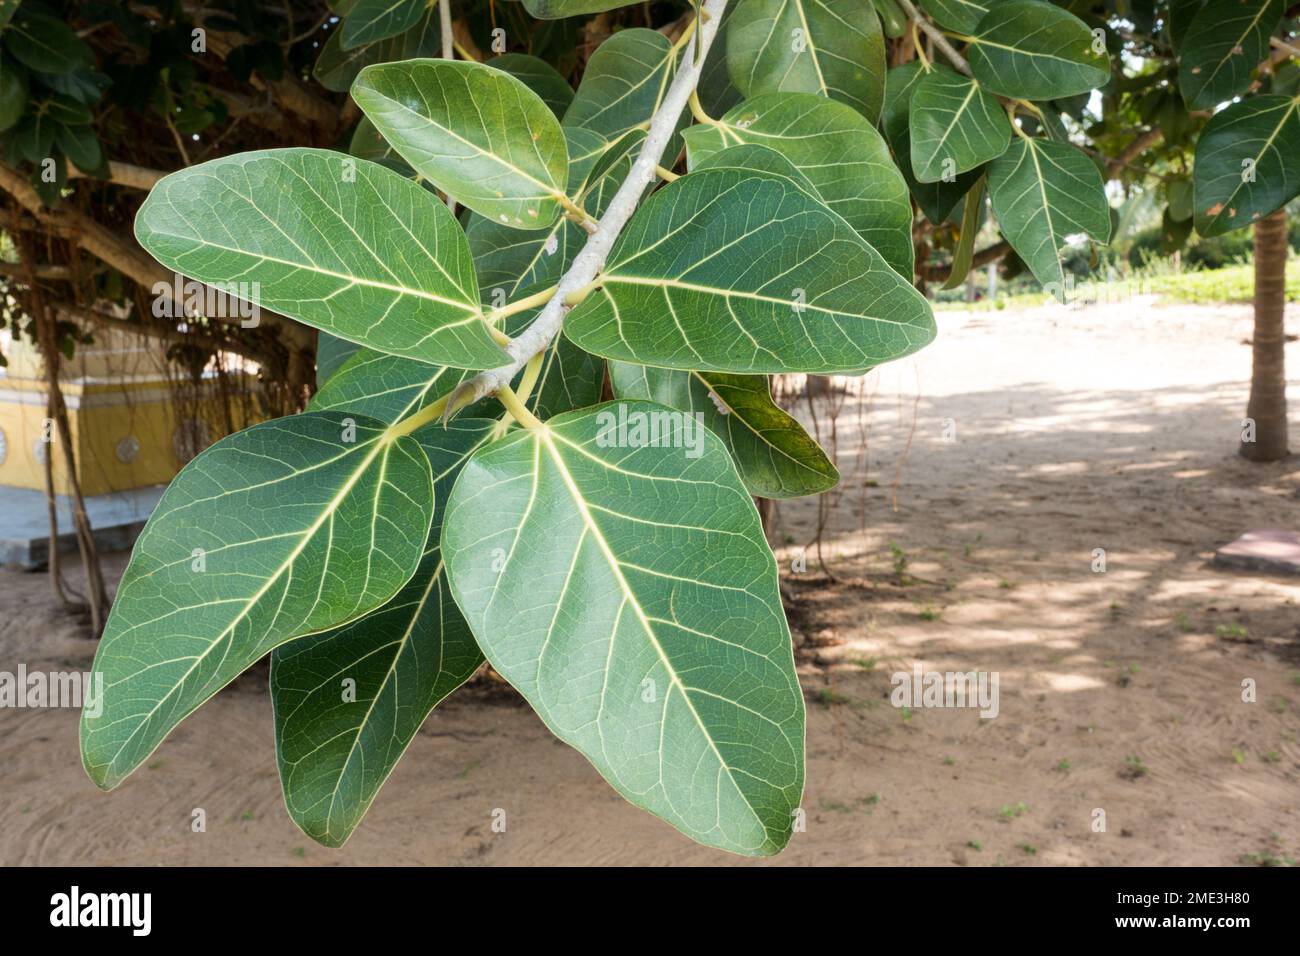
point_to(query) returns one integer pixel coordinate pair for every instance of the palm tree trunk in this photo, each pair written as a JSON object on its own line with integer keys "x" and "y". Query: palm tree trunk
{"x": 1267, "y": 406}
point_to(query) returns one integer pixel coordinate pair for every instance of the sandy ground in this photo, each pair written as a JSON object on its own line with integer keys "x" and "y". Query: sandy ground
{"x": 1105, "y": 428}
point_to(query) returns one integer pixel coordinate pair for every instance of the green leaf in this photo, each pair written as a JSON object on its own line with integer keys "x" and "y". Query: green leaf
{"x": 34, "y": 137}
{"x": 336, "y": 751}
{"x": 1180, "y": 196}
{"x": 558, "y": 9}
{"x": 1042, "y": 193}
{"x": 386, "y": 388}
{"x": 46, "y": 45}
{"x": 841, "y": 154}
{"x": 331, "y": 353}
{"x": 628, "y": 593}
{"x": 1035, "y": 51}
{"x": 390, "y": 388}
{"x": 475, "y": 132}
{"x": 369, "y": 21}
{"x": 1178, "y": 19}
{"x": 830, "y": 47}
{"x": 1224, "y": 45}
{"x": 1173, "y": 233}
{"x": 935, "y": 199}
{"x": 13, "y": 94}
{"x": 336, "y": 68}
{"x": 624, "y": 84}
{"x": 81, "y": 147}
{"x": 759, "y": 277}
{"x": 336, "y": 242}
{"x": 956, "y": 126}
{"x": 275, "y": 532}
{"x": 776, "y": 458}
{"x": 959, "y": 15}
{"x": 972, "y": 216}
{"x": 539, "y": 76}
{"x": 1247, "y": 163}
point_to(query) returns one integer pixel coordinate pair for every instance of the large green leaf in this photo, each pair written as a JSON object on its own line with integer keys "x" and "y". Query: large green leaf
{"x": 625, "y": 588}
{"x": 335, "y": 750}
{"x": 1044, "y": 192}
{"x": 956, "y": 126}
{"x": 1035, "y": 51}
{"x": 959, "y": 15}
{"x": 830, "y": 47}
{"x": 539, "y": 76}
{"x": 841, "y": 154}
{"x": 369, "y": 21}
{"x": 1223, "y": 46}
{"x": 623, "y": 85}
{"x": 936, "y": 199}
{"x": 336, "y": 242}
{"x": 759, "y": 276}
{"x": 776, "y": 458}
{"x": 1247, "y": 163}
{"x": 46, "y": 45}
{"x": 287, "y": 528}
{"x": 475, "y": 132}
{"x": 336, "y": 67}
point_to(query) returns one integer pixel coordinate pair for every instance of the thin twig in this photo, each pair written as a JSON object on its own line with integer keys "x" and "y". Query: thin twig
{"x": 936, "y": 36}
{"x": 1279, "y": 44}
{"x": 591, "y": 259}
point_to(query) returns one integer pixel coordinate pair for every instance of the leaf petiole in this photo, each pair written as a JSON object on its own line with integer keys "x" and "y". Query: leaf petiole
{"x": 520, "y": 305}
{"x": 421, "y": 418}
{"x": 517, "y": 409}
{"x": 575, "y": 212}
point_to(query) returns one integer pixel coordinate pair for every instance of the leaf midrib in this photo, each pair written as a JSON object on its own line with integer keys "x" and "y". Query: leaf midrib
{"x": 546, "y": 436}
{"x": 252, "y": 601}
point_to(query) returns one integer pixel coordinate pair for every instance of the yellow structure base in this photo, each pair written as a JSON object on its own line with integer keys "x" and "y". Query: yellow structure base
{"x": 126, "y": 427}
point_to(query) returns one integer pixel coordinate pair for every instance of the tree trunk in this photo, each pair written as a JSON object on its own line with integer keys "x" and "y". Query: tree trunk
{"x": 1267, "y": 407}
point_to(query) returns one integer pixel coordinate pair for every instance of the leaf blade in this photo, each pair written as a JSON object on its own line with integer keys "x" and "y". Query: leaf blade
{"x": 776, "y": 458}
{"x": 843, "y": 156}
{"x": 616, "y": 621}
{"x": 1035, "y": 51}
{"x": 833, "y": 48}
{"x": 955, "y": 126}
{"x": 377, "y": 260}
{"x": 405, "y": 658}
{"x": 1043, "y": 192}
{"x": 251, "y": 589}
{"x": 830, "y": 304}
{"x": 476, "y": 132}
{"x": 1245, "y": 163}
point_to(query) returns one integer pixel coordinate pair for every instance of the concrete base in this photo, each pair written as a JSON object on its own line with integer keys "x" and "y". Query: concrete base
{"x": 116, "y": 520}
{"x": 1270, "y": 550}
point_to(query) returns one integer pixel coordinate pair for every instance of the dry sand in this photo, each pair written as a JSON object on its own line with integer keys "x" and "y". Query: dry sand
{"x": 1105, "y": 428}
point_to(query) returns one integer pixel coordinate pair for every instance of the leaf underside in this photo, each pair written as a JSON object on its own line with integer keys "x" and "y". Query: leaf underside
{"x": 624, "y": 591}
{"x": 336, "y": 751}
{"x": 279, "y": 531}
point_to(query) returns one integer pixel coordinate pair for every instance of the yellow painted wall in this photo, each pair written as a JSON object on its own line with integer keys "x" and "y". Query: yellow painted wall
{"x": 113, "y": 395}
